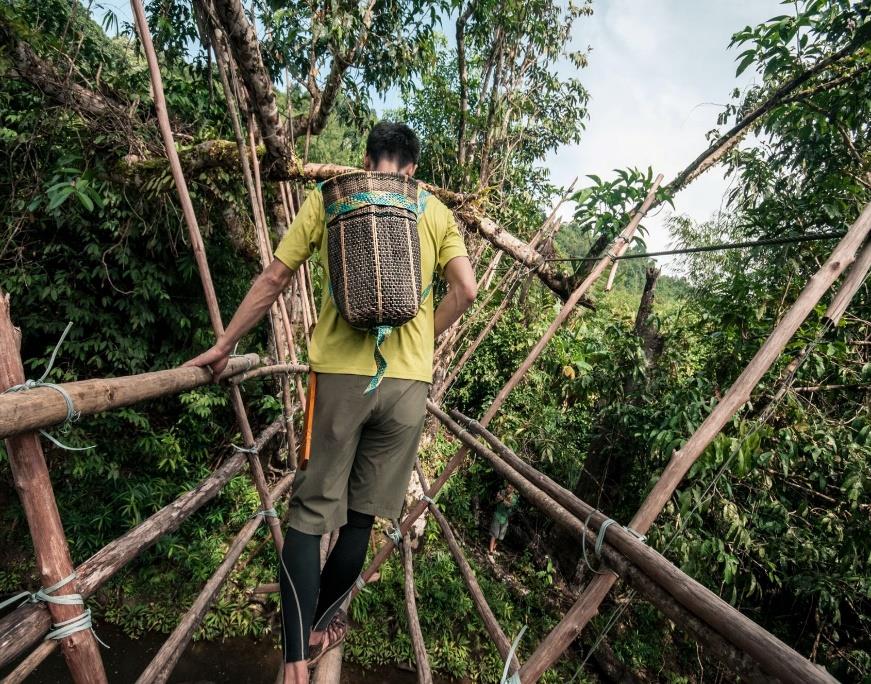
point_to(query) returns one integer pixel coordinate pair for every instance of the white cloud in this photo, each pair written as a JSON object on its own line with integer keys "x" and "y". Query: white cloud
{"x": 658, "y": 70}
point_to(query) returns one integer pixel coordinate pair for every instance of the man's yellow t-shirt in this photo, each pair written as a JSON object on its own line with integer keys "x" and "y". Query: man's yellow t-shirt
{"x": 336, "y": 347}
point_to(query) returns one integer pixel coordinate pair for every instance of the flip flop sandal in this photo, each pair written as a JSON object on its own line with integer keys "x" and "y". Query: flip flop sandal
{"x": 338, "y": 626}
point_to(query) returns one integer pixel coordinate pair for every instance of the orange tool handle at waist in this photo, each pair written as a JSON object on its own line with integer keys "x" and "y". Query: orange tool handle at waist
{"x": 311, "y": 395}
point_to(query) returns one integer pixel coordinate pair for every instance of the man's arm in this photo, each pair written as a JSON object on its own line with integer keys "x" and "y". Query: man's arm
{"x": 462, "y": 290}
{"x": 254, "y": 306}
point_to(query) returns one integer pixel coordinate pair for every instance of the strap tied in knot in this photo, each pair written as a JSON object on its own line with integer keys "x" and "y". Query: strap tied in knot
{"x": 72, "y": 415}
{"x": 65, "y": 628}
{"x": 600, "y": 539}
{"x": 381, "y": 333}
{"x": 395, "y": 535}
{"x": 246, "y": 450}
{"x": 266, "y": 513}
{"x": 514, "y": 678}
{"x": 427, "y": 499}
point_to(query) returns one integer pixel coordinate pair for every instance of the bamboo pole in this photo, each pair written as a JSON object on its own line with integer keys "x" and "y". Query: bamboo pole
{"x": 276, "y": 369}
{"x": 26, "y": 667}
{"x": 329, "y": 669}
{"x": 26, "y": 625}
{"x": 42, "y": 407}
{"x": 200, "y": 255}
{"x": 32, "y": 481}
{"x": 255, "y": 198}
{"x": 681, "y": 461}
{"x": 852, "y": 283}
{"x": 456, "y": 460}
{"x": 775, "y": 657}
{"x": 491, "y": 624}
{"x": 160, "y": 668}
{"x": 424, "y": 673}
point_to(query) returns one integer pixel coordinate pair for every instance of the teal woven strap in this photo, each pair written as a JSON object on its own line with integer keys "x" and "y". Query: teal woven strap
{"x": 380, "y": 198}
{"x": 381, "y": 333}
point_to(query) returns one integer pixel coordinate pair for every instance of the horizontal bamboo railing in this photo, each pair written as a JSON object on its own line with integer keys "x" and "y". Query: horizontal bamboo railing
{"x": 42, "y": 407}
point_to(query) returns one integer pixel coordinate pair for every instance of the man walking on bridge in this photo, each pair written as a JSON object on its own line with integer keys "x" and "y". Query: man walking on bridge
{"x": 371, "y": 396}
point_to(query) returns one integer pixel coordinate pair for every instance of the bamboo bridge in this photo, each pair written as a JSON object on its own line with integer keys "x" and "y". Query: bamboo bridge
{"x": 742, "y": 646}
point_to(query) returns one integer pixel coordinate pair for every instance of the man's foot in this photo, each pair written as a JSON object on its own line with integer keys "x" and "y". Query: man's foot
{"x": 326, "y": 640}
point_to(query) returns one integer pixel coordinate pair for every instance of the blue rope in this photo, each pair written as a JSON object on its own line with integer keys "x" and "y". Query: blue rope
{"x": 72, "y": 415}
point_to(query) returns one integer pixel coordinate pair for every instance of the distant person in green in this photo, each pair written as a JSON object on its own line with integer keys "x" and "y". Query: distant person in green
{"x": 506, "y": 502}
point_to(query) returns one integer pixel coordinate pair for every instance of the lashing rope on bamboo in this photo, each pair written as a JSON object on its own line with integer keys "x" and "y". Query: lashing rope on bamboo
{"x": 72, "y": 415}
{"x": 64, "y": 628}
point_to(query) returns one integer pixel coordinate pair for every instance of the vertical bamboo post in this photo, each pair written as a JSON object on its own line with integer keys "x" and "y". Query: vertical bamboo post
{"x": 200, "y": 255}
{"x": 30, "y": 474}
{"x": 555, "y": 643}
{"x": 279, "y": 337}
{"x": 424, "y": 673}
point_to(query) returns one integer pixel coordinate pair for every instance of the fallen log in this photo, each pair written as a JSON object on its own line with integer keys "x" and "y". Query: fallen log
{"x": 42, "y": 407}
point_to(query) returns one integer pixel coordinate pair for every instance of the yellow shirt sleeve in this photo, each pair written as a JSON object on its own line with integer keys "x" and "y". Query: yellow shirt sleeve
{"x": 305, "y": 233}
{"x": 451, "y": 244}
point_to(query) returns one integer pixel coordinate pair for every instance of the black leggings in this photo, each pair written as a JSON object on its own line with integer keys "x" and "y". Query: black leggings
{"x": 310, "y": 598}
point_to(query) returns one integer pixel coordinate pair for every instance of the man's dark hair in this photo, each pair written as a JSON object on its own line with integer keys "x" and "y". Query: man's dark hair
{"x": 396, "y": 141}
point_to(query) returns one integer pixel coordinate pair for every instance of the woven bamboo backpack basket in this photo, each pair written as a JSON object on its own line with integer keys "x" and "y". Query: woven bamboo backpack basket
{"x": 373, "y": 248}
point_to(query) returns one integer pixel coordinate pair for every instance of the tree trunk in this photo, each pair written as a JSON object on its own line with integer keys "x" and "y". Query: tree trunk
{"x": 601, "y": 479}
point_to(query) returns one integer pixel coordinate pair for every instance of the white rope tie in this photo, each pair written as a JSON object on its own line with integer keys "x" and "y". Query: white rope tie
{"x": 72, "y": 415}
{"x": 65, "y": 628}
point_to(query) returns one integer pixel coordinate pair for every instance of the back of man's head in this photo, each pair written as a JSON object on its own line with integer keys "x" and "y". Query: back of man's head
{"x": 395, "y": 142}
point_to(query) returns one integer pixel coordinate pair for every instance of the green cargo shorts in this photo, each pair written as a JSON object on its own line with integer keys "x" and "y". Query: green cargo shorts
{"x": 362, "y": 453}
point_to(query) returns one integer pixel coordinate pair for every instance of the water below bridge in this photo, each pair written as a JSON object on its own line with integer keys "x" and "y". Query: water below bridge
{"x": 232, "y": 661}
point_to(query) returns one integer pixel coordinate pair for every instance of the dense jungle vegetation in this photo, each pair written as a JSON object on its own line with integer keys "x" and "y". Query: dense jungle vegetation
{"x": 776, "y": 516}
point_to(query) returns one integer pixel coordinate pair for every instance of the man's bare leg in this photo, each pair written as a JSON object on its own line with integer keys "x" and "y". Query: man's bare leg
{"x": 296, "y": 672}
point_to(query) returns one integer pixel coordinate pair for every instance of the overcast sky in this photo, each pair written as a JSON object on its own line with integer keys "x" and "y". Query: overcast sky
{"x": 659, "y": 71}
